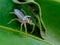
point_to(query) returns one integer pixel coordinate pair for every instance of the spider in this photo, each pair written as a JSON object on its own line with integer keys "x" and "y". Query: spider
{"x": 23, "y": 19}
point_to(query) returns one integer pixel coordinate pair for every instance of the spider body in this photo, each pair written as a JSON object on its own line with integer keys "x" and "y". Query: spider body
{"x": 23, "y": 19}
{"x": 21, "y": 16}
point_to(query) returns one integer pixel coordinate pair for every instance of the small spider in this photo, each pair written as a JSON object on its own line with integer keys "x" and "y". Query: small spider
{"x": 22, "y": 19}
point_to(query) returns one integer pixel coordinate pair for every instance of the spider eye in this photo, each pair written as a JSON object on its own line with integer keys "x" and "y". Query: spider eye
{"x": 29, "y": 17}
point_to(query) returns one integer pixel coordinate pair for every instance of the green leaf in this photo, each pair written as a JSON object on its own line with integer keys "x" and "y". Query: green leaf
{"x": 9, "y": 6}
{"x": 9, "y": 36}
{"x": 51, "y": 20}
{"x": 6, "y": 7}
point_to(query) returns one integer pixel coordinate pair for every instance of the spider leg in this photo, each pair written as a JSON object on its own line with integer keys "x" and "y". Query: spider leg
{"x": 28, "y": 16}
{"x": 11, "y": 12}
{"x": 12, "y": 20}
{"x": 21, "y": 26}
{"x": 31, "y": 23}
{"x": 33, "y": 28}
{"x": 17, "y": 20}
{"x": 25, "y": 28}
